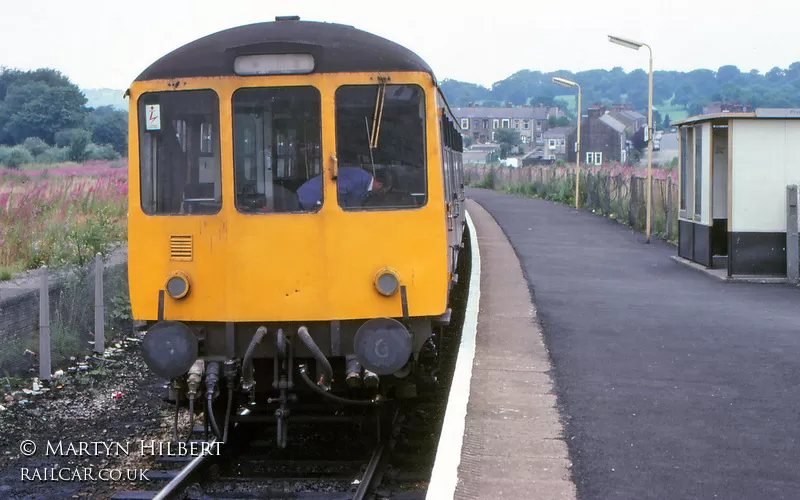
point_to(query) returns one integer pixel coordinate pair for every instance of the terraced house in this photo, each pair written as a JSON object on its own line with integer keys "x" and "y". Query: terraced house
{"x": 604, "y": 138}
{"x": 482, "y": 123}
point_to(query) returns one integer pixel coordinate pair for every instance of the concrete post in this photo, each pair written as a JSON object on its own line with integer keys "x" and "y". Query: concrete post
{"x": 669, "y": 208}
{"x": 99, "y": 308}
{"x": 792, "y": 257}
{"x": 632, "y": 212}
{"x": 45, "y": 368}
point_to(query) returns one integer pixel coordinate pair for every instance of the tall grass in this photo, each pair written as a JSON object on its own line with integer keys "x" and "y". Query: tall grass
{"x": 60, "y": 216}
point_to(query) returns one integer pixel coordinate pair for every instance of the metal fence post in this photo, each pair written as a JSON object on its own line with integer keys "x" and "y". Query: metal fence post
{"x": 792, "y": 257}
{"x": 44, "y": 327}
{"x": 99, "y": 308}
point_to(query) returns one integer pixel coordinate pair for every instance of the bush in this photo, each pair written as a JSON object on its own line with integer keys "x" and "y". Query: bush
{"x": 77, "y": 140}
{"x": 487, "y": 181}
{"x": 101, "y": 152}
{"x": 13, "y": 157}
{"x": 35, "y": 145}
{"x": 53, "y": 155}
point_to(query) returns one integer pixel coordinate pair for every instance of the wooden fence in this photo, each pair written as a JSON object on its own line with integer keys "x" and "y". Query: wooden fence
{"x": 618, "y": 192}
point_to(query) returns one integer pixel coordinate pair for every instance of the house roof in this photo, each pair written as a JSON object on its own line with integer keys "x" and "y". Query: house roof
{"x": 759, "y": 113}
{"x": 634, "y": 115}
{"x": 487, "y": 112}
{"x": 613, "y": 123}
{"x": 557, "y": 132}
{"x": 335, "y": 48}
{"x": 537, "y": 113}
{"x": 623, "y": 118}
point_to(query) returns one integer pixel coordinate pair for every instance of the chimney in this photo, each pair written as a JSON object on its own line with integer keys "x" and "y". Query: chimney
{"x": 595, "y": 112}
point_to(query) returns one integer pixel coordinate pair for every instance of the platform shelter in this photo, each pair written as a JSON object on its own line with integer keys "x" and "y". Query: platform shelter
{"x": 734, "y": 172}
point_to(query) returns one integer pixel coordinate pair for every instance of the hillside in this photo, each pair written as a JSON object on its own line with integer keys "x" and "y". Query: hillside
{"x": 105, "y": 97}
{"x": 675, "y": 93}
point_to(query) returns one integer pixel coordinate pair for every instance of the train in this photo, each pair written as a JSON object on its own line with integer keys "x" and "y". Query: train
{"x": 296, "y": 215}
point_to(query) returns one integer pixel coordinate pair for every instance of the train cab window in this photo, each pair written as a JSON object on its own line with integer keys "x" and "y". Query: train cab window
{"x": 179, "y": 158}
{"x": 380, "y": 136}
{"x": 277, "y": 149}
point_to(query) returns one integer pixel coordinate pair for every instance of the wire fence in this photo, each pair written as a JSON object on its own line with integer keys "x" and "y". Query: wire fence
{"x": 71, "y": 315}
{"x": 613, "y": 191}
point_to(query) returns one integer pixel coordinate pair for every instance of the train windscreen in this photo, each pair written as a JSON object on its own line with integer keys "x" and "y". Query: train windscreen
{"x": 380, "y": 142}
{"x": 179, "y": 159}
{"x": 276, "y": 148}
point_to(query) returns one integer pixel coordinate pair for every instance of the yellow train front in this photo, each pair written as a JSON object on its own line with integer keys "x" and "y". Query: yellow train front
{"x": 296, "y": 211}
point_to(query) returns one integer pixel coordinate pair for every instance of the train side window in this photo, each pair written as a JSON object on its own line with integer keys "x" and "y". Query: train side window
{"x": 277, "y": 152}
{"x": 179, "y": 160}
{"x": 388, "y": 146}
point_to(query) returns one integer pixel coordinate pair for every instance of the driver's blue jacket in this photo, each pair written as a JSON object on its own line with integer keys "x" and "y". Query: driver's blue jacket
{"x": 352, "y": 184}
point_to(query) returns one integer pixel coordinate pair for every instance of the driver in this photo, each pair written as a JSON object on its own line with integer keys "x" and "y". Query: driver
{"x": 352, "y": 184}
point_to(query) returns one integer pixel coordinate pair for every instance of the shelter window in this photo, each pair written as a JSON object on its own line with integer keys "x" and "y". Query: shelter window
{"x": 465, "y": 123}
{"x": 179, "y": 161}
{"x": 505, "y": 123}
{"x": 698, "y": 170}
{"x": 525, "y": 124}
{"x": 495, "y": 123}
{"x": 598, "y": 158}
{"x": 687, "y": 169}
{"x": 276, "y": 148}
{"x": 387, "y": 146}
{"x": 589, "y": 158}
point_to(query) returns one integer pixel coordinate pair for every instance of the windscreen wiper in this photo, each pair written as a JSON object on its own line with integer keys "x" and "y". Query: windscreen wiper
{"x": 378, "y": 114}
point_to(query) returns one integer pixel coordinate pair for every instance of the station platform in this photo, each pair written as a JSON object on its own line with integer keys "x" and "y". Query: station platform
{"x": 601, "y": 368}
{"x": 507, "y": 442}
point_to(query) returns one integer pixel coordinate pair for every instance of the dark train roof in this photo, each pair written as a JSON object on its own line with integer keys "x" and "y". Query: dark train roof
{"x": 335, "y": 47}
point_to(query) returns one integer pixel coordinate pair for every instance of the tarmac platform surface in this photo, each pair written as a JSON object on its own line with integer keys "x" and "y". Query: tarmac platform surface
{"x": 670, "y": 384}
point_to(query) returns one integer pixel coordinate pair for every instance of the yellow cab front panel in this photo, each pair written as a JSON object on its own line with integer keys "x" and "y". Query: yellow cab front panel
{"x": 288, "y": 266}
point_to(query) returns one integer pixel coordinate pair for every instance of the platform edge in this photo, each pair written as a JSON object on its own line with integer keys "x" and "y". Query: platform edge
{"x": 444, "y": 476}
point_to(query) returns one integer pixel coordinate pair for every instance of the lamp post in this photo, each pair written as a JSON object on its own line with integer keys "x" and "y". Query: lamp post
{"x": 570, "y": 83}
{"x": 636, "y": 46}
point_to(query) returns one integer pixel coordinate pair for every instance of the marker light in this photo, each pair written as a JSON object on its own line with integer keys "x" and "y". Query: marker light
{"x": 386, "y": 282}
{"x": 178, "y": 285}
{"x": 273, "y": 64}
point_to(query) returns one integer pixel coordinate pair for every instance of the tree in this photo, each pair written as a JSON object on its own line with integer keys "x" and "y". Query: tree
{"x": 727, "y": 74}
{"x": 666, "y": 125}
{"x": 38, "y": 104}
{"x": 562, "y": 121}
{"x": 77, "y": 140}
{"x": 552, "y": 121}
{"x": 656, "y": 118}
{"x": 508, "y": 138}
{"x": 109, "y": 126}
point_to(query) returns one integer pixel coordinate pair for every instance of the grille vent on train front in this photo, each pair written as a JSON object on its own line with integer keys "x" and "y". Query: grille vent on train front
{"x": 180, "y": 247}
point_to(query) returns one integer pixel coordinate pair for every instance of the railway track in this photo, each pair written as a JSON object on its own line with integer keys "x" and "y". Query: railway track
{"x": 333, "y": 456}
{"x": 246, "y": 468}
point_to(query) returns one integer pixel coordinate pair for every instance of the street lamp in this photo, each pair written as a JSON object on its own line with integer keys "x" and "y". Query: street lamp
{"x": 570, "y": 83}
{"x": 636, "y": 46}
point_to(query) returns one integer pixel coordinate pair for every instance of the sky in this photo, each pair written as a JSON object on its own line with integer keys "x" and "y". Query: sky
{"x": 107, "y": 43}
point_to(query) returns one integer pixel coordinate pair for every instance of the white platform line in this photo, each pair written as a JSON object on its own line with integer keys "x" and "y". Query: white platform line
{"x": 444, "y": 477}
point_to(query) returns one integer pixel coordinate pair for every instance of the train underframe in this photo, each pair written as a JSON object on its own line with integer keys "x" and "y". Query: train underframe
{"x": 295, "y": 371}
